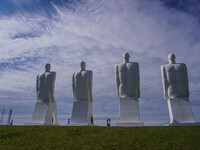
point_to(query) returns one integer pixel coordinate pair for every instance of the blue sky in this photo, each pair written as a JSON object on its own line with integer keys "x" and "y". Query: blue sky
{"x": 66, "y": 32}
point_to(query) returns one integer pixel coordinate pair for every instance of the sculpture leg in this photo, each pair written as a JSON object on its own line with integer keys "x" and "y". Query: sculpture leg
{"x": 129, "y": 112}
{"x": 82, "y": 113}
{"x": 180, "y": 111}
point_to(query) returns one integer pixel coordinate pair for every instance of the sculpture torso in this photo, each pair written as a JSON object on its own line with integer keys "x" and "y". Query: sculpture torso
{"x": 82, "y": 85}
{"x": 175, "y": 80}
{"x": 45, "y": 86}
{"x": 128, "y": 75}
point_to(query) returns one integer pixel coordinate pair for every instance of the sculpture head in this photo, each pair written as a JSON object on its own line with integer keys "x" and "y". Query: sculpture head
{"x": 171, "y": 58}
{"x": 47, "y": 67}
{"x": 82, "y": 65}
{"x": 126, "y": 57}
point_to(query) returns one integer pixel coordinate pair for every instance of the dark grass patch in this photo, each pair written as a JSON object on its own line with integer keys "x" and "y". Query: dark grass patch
{"x": 99, "y": 138}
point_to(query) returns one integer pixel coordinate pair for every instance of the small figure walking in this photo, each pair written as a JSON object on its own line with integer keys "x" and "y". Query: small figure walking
{"x": 108, "y": 122}
{"x": 68, "y": 121}
{"x": 92, "y": 120}
{"x": 11, "y": 122}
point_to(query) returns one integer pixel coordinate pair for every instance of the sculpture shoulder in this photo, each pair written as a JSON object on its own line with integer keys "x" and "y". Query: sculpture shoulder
{"x": 76, "y": 74}
{"x": 90, "y": 72}
{"x": 81, "y": 73}
{"x": 50, "y": 74}
{"x": 121, "y": 65}
{"x": 163, "y": 67}
{"x": 129, "y": 66}
{"x": 40, "y": 75}
{"x": 128, "y": 63}
{"x": 53, "y": 73}
{"x": 167, "y": 67}
{"x": 116, "y": 67}
{"x": 134, "y": 63}
{"x": 173, "y": 67}
{"x": 134, "y": 66}
{"x": 181, "y": 65}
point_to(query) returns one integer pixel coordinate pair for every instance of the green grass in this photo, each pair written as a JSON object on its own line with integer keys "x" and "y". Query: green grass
{"x": 99, "y": 138}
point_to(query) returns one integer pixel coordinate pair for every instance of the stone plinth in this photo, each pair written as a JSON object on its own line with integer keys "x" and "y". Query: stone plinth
{"x": 129, "y": 112}
{"x": 42, "y": 114}
{"x": 82, "y": 113}
{"x": 180, "y": 112}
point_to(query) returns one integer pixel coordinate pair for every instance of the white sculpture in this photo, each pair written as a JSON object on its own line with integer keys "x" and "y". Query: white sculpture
{"x": 45, "y": 112}
{"x": 176, "y": 92}
{"x": 82, "y": 84}
{"x": 128, "y": 91}
{"x": 82, "y": 92}
{"x": 175, "y": 79}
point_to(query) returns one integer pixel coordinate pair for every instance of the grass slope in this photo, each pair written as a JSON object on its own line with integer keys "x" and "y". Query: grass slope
{"x": 99, "y": 138}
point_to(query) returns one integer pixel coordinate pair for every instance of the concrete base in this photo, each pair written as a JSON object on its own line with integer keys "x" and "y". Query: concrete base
{"x": 82, "y": 114}
{"x": 184, "y": 124}
{"x": 43, "y": 114}
{"x": 129, "y": 112}
{"x": 180, "y": 111}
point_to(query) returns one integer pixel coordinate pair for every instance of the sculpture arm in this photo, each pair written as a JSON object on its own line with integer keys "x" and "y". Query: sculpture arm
{"x": 117, "y": 80}
{"x": 138, "y": 81}
{"x": 73, "y": 85}
{"x": 164, "y": 81}
{"x": 90, "y": 86}
{"x": 53, "y": 87}
{"x": 186, "y": 80}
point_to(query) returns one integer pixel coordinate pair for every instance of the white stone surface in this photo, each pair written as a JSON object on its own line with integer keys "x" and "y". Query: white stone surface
{"x": 82, "y": 84}
{"x": 129, "y": 112}
{"x": 45, "y": 112}
{"x": 176, "y": 92}
{"x": 175, "y": 79}
{"x": 42, "y": 114}
{"x": 81, "y": 113}
{"x": 184, "y": 124}
{"x": 128, "y": 91}
{"x": 180, "y": 111}
{"x": 127, "y": 78}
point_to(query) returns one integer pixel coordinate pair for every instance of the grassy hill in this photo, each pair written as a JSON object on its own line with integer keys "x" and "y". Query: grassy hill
{"x": 99, "y": 138}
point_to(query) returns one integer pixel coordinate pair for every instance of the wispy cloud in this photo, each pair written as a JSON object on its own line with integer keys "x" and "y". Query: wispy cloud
{"x": 98, "y": 32}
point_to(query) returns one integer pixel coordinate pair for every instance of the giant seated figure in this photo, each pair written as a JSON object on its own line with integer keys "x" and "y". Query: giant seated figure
{"x": 128, "y": 91}
{"x": 175, "y": 79}
{"x": 176, "y": 91}
{"x": 82, "y": 84}
{"x": 45, "y": 85}
{"x": 45, "y": 112}
{"x": 127, "y": 78}
{"x": 82, "y": 93}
